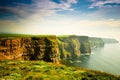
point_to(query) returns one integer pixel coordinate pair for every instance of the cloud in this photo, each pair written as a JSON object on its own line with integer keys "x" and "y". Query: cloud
{"x": 72, "y": 1}
{"x": 41, "y": 7}
{"x": 29, "y": 17}
{"x": 17, "y": 12}
{"x": 34, "y": 25}
{"x": 85, "y": 23}
{"x": 46, "y": 26}
{"x": 106, "y": 13}
{"x": 10, "y": 26}
{"x": 105, "y": 9}
{"x": 103, "y": 3}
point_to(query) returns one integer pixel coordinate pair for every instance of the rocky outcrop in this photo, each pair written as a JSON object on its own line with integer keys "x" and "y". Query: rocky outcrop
{"x": 10, "y": 48}
{"x": 30, "y": 48}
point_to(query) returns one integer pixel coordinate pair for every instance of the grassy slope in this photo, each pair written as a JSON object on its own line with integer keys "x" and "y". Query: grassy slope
{"x": 22, "y": 35}
{"x": 39, "y": 70}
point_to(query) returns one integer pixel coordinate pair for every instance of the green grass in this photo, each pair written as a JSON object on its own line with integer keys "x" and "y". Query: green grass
{"x": 40, "y": 70}
{"x": 23, "y": 35}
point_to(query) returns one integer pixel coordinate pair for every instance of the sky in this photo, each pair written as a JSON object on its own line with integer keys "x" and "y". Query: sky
{"x": 97, "y": 18}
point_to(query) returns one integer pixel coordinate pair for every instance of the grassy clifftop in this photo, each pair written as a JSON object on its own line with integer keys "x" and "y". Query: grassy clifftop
{"x": 40, "y": 70}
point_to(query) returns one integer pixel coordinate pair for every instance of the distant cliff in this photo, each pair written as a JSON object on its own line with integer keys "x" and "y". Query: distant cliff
{"x": 73, "y": 46}
{"x": 108, "y": 40}
{"x": 96, "y": 42}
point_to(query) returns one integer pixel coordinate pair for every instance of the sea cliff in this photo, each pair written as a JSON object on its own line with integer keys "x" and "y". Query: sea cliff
{"x": 73, "y": 46}
{"x": 30, "y": 48}
{"x": 49, "y": 48}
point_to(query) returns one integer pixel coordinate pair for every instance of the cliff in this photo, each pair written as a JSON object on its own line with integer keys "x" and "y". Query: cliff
{"x": 30, "y": 48}
{"x": 11, "y": 48}
{"x": 47, "y": 48}
{"x": 108, "y": 40}
{"x": 96, "y": 42}
{"x": 85, "y": 44}
{"x": 41, "y": 48}
{"x": 69, "y": 47}
{"x": 73, "y": 46}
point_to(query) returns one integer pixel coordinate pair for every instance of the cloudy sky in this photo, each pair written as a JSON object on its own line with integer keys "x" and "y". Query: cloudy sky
{"x": 99, "y": 18}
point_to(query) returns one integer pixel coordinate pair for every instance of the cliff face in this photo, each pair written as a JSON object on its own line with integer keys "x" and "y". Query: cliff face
{"x": 85, "y": 44}
{"x": 69, "y": 47}
{"x": 107, "y": 40}
{"x": 10, "y": 48}
{"x": 30, "y": 48}
{"x": 47, "y": 48}
{"x": 73, "y": 46}
{"x": 41, "y": 48}
{"x": 96, "y": 42}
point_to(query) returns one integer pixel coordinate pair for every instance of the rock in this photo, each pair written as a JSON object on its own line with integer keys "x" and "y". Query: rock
{"x": 30, "y": 48}
{"x": 10, "y": 48}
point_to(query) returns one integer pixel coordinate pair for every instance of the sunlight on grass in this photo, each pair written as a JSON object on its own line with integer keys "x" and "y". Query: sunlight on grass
{"x": 40, "y": 70}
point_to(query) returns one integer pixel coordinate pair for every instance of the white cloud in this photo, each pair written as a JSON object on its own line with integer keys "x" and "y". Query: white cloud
{"x": 106, "y": 13}
{"x": 72, "y": 1}
{"x": 48, "y": 4}
{"x": 100, "y": 4}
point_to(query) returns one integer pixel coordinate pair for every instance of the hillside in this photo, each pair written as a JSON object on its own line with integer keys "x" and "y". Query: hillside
{"x": 40, "y": 70}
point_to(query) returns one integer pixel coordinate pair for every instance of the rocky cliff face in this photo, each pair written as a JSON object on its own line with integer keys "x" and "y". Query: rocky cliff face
{"x": 85, "y": 44}
{"x": 69, "y": 47}
{"x": 47, "y": 48}
{"x": 96, "y": 42}
{"x": 41, "y": 48}
{"x": 30, "y": 48}
{"x": 11, "y": 48}
{"x": 73, "y": 46}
